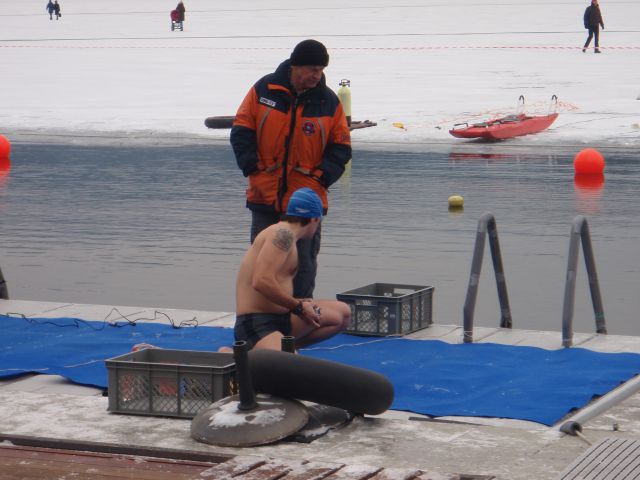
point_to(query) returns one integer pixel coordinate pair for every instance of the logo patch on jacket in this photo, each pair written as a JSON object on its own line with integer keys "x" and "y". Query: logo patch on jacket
{"x": 308, "y": 128}
{"x": 268, "y": 102}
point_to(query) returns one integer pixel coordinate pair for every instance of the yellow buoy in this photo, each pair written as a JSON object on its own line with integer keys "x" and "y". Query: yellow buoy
{"x": 456, "y": 201}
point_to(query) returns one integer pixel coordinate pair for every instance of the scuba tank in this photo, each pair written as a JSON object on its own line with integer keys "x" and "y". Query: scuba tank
{"x": 344, "y": 94}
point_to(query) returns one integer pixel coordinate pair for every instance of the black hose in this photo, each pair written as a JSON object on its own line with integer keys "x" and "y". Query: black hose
{"x": 328, "y": 383}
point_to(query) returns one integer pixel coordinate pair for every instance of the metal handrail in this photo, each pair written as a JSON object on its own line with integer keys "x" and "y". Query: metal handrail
{"x": 580, "y": 231}
{"x": 4, "y": 291}
{"x": 486, "y": 225}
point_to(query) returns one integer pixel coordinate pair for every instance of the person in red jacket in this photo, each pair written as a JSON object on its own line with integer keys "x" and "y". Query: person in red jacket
{"x": 291, "y": 132}
{"x": 592, "y": 22}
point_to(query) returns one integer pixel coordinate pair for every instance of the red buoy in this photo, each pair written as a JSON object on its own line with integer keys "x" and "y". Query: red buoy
{"x": 5, "y": 147}
{"x": 589, "y": 162}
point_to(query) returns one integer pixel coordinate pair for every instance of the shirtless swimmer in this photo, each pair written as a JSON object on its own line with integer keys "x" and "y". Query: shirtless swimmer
{"x": 265, "y": 307}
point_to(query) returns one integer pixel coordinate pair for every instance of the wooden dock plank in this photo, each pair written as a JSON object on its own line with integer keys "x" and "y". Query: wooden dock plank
{"x": 307, "y": 470}
{"x": 611, "y": 343}
{"x": 45, "y": 470}
{"x": 233, "y": 467}
{"x": 43, "y": 464}
{"x": 438, "y": 332}
{"x": 270, "y": 470}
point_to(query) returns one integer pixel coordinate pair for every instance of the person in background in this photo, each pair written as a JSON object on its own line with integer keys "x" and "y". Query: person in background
{"x": 593, "y": 22}
{"x": 50, "y": 9}
{"x": 180, "y": 9}
{"x": 56, "y": 9}
{"x": 266, "y": 307}
{"x": 291, "y": 132}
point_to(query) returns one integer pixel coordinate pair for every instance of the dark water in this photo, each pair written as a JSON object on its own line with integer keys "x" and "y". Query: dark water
{"x": 167, "y": 227}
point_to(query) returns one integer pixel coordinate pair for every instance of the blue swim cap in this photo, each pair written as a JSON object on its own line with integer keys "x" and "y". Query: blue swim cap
{"x": 305, "y": 203}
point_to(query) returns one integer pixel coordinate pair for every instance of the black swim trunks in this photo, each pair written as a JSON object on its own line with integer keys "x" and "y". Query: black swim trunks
{"x": 253, "y": 327}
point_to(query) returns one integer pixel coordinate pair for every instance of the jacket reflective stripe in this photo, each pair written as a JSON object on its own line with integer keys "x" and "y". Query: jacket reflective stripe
{"x": 264, "y": 119}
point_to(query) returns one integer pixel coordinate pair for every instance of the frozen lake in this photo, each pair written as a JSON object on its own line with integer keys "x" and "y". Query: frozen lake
{"x": 167, "y": 226}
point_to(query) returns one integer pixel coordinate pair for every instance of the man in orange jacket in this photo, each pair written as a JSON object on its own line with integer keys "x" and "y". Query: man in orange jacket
{"x": 291, "y": 132}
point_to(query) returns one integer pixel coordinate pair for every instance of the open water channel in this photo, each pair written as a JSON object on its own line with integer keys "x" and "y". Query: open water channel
{"x": 167, "y": 227}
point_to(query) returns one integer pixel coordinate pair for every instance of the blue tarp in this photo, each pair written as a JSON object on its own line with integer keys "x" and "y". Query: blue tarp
{"x": 485, "y": 379}
{"x": 77, "y": 349}
{"x": 429, "y": 376}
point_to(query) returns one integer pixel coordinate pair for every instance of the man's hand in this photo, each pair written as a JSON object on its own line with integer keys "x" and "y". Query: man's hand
{"x": 311, "y": 313}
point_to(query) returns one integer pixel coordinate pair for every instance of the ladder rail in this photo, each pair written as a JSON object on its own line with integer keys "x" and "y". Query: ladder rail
{"x": 4, "y": 291}
{"x": 486, "y": 227}
{"x": 580, "y": 234}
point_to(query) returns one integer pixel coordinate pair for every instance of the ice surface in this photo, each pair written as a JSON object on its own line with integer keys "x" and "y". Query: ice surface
{"x": 115, "y": 68}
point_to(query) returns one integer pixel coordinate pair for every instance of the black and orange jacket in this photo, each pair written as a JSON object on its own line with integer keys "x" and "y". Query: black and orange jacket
{"x": 283, "y": 142}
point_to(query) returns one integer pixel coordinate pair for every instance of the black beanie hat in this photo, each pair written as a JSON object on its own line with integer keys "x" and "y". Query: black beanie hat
{"x": 309, "y": 52}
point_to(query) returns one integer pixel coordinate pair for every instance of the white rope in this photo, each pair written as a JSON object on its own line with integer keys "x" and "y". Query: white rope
{"x": 386, "y": 339}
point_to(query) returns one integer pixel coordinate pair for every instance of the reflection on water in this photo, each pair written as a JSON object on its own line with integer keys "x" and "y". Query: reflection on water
{"x": 167, "y": 227}
{"x": 589, "y": 190}
{"x": 5, "y": 167}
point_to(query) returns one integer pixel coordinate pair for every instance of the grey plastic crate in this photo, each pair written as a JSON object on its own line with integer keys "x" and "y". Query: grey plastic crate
{"x": 388, "y": 309}
{"x": 169, "y": 383}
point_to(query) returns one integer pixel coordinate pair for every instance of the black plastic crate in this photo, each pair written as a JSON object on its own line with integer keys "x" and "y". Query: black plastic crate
{"x": 169, "y": 383}
{"x": 388, "y": 309}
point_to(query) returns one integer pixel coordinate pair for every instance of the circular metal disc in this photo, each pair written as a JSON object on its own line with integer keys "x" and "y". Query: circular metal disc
{"x": 222, "y": 424}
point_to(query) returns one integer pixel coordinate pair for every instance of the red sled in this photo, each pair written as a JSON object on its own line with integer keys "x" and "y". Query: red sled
{"x": 509, "y": 126}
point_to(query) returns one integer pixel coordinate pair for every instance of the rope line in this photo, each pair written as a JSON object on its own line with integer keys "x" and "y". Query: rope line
{"x": 77, "y": 322}
{"x": 379, "y": 340}
{"x": 384, "y": 49}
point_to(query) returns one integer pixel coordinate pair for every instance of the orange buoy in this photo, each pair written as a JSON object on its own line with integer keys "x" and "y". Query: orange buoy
{"x": 589, "y": 162}
{"x": 5, "y": 147}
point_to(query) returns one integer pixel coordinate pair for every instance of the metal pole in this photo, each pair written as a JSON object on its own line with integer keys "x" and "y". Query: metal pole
{"x": 486, "y": 225}
{"x": 245, "y": 385}
{"x": 4, "y": 292}
{"x": 594, "y": 285}
{"x": 501, "y": 281}
{"x": 288, "y": 343}
{"x": 580, "y": 231}
{"x": 570, "y": 286}
{"x": 474, "y": 277}
{"x": 604, "y": 403}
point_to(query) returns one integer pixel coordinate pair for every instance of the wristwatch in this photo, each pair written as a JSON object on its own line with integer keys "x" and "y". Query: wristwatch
{"x": 297, "y": 310}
